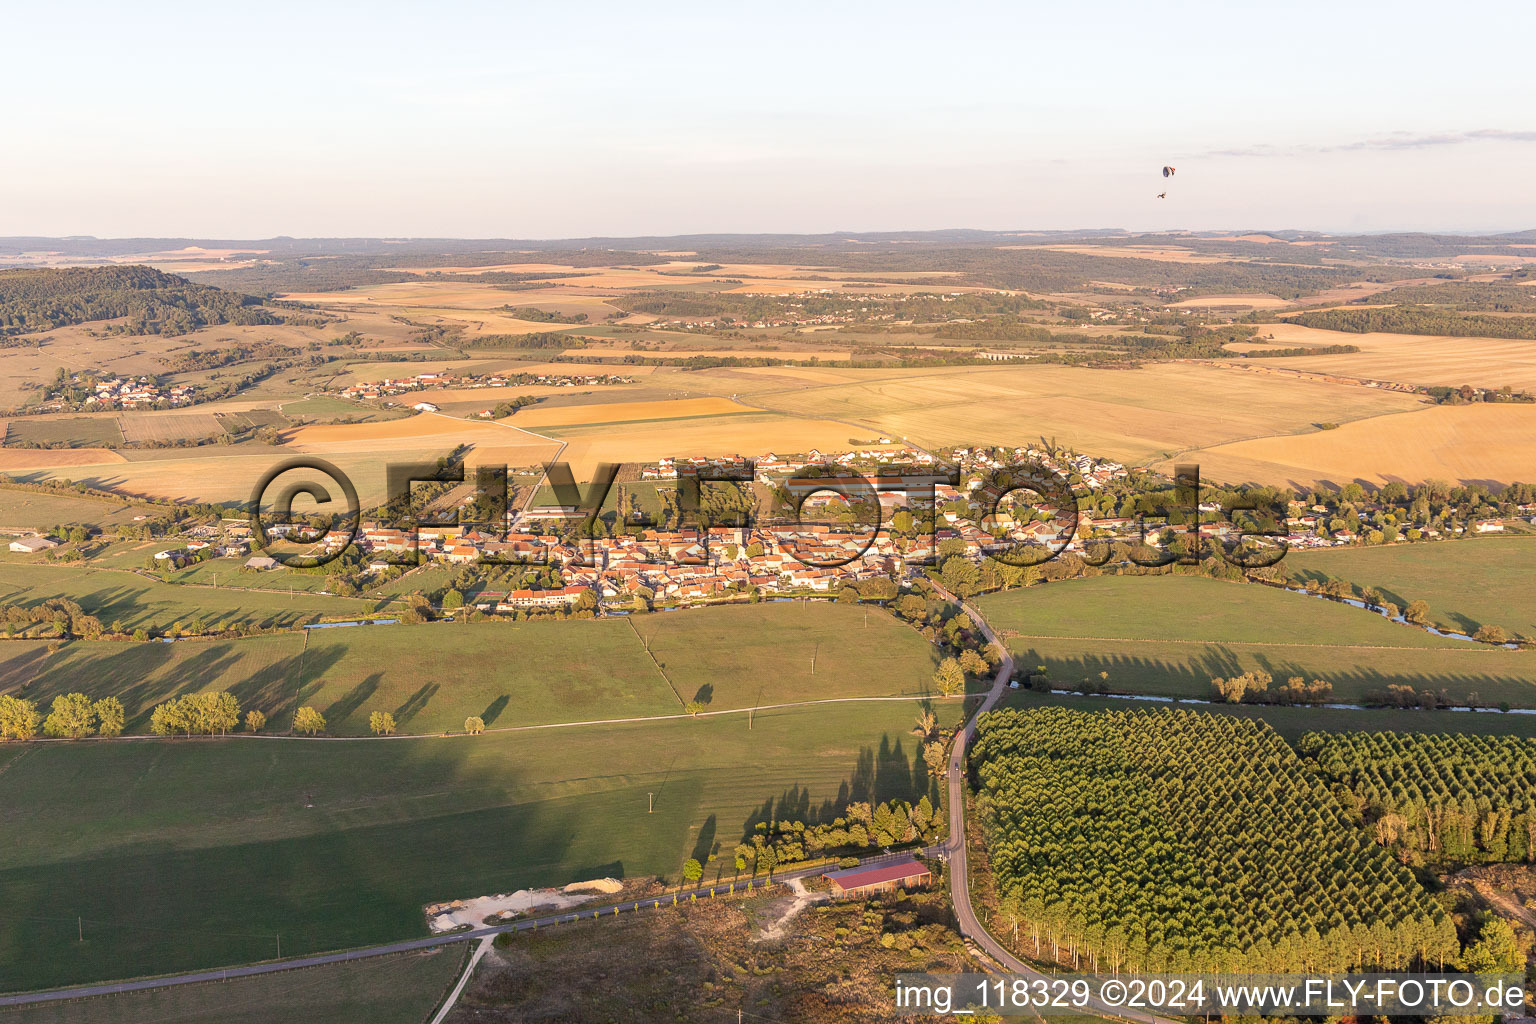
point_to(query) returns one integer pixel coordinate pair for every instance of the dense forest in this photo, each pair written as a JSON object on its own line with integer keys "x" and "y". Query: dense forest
{"x": 153, "y": 302}
{"x": 1418, "y": 320}
{"x": 1181, "y": 840}
{"x": 1443, "y": 799}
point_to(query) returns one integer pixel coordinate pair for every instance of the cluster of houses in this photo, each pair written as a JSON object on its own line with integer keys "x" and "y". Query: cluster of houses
{"x": 131, "y": 393}
{"x": 391, "y": 386}
{"x": 818, "y": 553}
{"x": 1310, "y": 526}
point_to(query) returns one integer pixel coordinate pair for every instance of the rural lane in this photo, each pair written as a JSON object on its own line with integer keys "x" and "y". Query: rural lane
{"x": 955, "y": 849}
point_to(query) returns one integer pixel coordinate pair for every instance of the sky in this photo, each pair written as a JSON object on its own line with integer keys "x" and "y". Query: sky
{"x": 563, "y": 120}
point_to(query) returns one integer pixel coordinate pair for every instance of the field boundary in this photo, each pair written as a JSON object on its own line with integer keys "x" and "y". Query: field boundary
{"x": 142, "y": 738}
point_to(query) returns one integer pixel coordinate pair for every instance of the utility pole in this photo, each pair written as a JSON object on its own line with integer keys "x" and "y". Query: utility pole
{"x": 650, "y": 803}
{"x": 279, "y": 945}
{"x": 80, "y": 923}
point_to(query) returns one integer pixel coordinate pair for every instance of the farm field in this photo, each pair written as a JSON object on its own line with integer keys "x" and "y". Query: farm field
{"x": 37, "y": 510}
{"x": 402, "y": 989}
{"x": 737, "y": 434}
{"x": 262, "y": 671}
{"x": 424, "y": 432}
{"x": 1481, "y": 442}
{"x": 222, "y": 474}
{"x": 737, "y": 656}
{"x": 74, "y": 431}
{"x": 1171, "y": 635}
{"x": 508, "y": 674}
{"x": 1158, "y": 410}
{"x": 1415, "y": 359}
{"x": 628, "y": 412}
{"x": 188, "y": 854}
{"x": 433, "y": 676}
{"x": 1193, "y": 608}
{"x": 170, "y": 427}
{"x": 1468, "y": 583}
{"x": 135, "y": 600}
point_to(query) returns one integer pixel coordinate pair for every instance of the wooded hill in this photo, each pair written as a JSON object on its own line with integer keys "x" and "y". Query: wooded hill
{"x": 154, "y": 302}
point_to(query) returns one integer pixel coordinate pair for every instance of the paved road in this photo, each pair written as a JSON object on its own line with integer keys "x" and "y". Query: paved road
{"x": 228, "y": 973}
{"x": 955, "y": 849}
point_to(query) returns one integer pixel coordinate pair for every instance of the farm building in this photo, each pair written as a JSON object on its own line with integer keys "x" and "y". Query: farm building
{"x": 32, "y": 545}
{"x": 861, "y": 881}
{"x": 261, "y": 562}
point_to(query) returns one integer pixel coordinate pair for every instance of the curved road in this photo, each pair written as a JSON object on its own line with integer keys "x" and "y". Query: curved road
{"x": 955, "y": 849}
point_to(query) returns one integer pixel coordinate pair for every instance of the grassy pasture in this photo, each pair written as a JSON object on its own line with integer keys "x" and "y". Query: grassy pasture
{"x": 1468, "y": 583}
{"x": 433, "y": 676}
{"x": 189, "y": 854}
{"x": 401, "y": 989}
{"x": 741, "y": 655}
{"x": 136, "y": 600}
{"x": 37, "y": 510}
{"x": 263, "y": 671}
{"x": 1171, "y": 635}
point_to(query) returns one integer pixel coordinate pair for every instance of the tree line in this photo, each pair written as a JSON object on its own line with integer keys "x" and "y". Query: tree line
{"x": 1418, "y": 320}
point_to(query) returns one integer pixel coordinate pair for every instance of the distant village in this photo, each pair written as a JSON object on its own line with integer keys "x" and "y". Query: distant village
{"x": 392, "y": 386}
{"x": 141, "y": 392}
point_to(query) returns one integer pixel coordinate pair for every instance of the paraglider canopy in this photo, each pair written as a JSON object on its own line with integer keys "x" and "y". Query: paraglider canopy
{"x": 1168, "y": 171}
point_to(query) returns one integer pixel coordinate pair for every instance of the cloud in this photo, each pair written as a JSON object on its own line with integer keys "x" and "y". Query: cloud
{"x": 1394, "y": 142}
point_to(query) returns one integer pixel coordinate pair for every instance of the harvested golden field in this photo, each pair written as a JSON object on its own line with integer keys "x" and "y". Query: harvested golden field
{"x": 48, "y": 458}
{"x": 1156, "y": 411}
{"x": 749, "y": 434}
{"x": 1416, "y": 359}
{"x": 1457, "y": 443}
{"x": 628, "y": 412}
{"x": 489, "y": 397}
{"x": 1251, "y": 300}
{"x": 476, "y": 308}
{"x": 1144, "y": 252}
{"x": 414, "y": 433}
{"x": 217, "y": 476}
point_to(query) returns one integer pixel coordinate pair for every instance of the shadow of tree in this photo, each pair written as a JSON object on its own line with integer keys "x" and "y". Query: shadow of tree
{"x": 880, "y": 774}
{"x": 494, "y": 709}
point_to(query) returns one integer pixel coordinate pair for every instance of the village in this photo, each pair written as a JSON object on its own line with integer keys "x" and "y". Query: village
{"x": 827, "y": 547}
{"x": 391, "y": 386}
{"x": 129, "y": 392}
